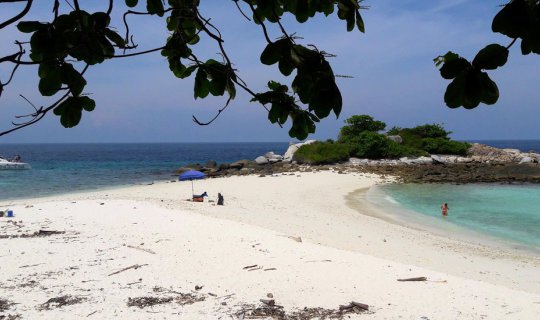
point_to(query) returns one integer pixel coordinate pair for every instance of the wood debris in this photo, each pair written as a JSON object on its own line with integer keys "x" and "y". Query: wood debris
{"x": 354, "y": 305}
{"x": 276, "y": 312}
{"x": 61, "y": 301}
{"x": 135, "y": 266}
{"x": 413, "y": 279}
{"x": 249, "y": 267}
{"x": 37, "y": 234}
{"x": 143, "y": 302}
{"x": 297, "y": 239}
{"x": 141, "y": 249}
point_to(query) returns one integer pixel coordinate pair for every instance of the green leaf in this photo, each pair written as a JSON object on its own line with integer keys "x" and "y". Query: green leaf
{"x": 360, "y": 23}
{"x": 101, "y": 20}
{"x": 86, "y": 103}
{"x": 155, "y": 7}
{"x": 286, "y": 67}
{"x": 231, "y": 89}
{"x": 512, "y": 20}
{"x": 51, "y": 83}
{"x": 491, "y": 57}
{"x": 473, "y": 89}
{"x": 532, "y": 42}
{"x": 274, "y": 85}
{"x": 202, "y": 85}
{"x": 46, "y": 67}
{"x": 275, "y": 112}
{"x": 454, "y": 67}
{"x": 453, "y": 96}
{"x": 71, "y": 117}
{"x": 73, "y": 79}
{"x": 273, "y": 51}
{"x": 490, "y": 93}
{"x": 30, "y": 26}
{"x": 302, "y": 11}
{"x": 176, "y": 66}
{"x": 217, "y": 85}
{"x": 70, "y": 112}
{"x": 131, "y": 3}
{"x": 115, "y": 37}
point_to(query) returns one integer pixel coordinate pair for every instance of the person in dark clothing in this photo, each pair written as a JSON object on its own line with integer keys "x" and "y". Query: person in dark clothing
{"x": 220, "y": 199}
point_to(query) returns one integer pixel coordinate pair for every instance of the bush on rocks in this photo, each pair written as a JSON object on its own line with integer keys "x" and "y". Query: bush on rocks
{"x": 444, "y": 146}
{"x": 322, "y": 153}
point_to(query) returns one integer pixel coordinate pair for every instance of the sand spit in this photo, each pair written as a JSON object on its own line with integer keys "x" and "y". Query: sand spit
{"x": 287, "y": 247}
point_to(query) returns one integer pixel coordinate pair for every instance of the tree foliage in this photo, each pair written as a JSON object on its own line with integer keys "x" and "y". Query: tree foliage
{"x": 72, "y": 40}
{"x": 358, "y": 124}
{"x": 428, "y": 139}
{"x": 67, "y": 44}
{"x": 363, "y": 140}
{"x": 471, "y": 84}
{"x": 322, "y": 153}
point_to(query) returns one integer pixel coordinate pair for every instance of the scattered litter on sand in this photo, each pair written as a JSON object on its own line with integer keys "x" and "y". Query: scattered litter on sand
{"x": 37, "y": 234}
{"x": 61, "y": 301}
{"x": 5, "y": 305}
{"x": 276, "y": 312}
{"x": 149, "y": 301}
{"x": 143, "y": 302}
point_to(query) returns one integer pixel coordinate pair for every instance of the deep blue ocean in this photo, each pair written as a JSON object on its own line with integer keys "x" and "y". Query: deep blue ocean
{"x": 62, "y": 168}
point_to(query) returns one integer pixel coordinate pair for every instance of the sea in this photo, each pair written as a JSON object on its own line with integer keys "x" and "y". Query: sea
{"x": 64, "y": 168}
{"x": 507, "y": 212}
{"x": 502, "y": 211}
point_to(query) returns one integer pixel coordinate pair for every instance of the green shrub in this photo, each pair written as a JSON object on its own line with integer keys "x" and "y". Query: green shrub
{"x": 394, "y": 131}
{"x": 322, "y": 153}
{"x": 444, "y": 146}
{"x": 410, "y": 138}
{"x": 369, "y": 145}
{"x": 431, "y": 131}
{"x": 358, "y": 124}
{"x": 397, "y": 150}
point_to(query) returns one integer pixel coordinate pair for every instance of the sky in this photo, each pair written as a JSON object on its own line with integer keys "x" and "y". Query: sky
{"x": 392, "y": 77}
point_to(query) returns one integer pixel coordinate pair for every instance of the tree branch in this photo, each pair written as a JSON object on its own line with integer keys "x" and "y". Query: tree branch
{"x": 263, "y": 26}
{"x": 19, "y": 16}
{"x": 109, "y": 10}
{"x": 136, "y": 53}
{"x": 215, "y": 117}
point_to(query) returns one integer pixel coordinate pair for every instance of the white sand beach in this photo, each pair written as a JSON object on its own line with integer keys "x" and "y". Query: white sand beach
{"x": 305, "y": 240}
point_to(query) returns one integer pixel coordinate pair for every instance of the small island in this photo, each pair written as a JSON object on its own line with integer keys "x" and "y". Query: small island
{"x": 424, "y": 154}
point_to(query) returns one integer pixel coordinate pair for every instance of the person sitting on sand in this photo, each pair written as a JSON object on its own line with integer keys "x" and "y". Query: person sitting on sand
{"x": 220, "y": 200}
{"x": 199, "y": 197}
{"x": 444, "y": 209}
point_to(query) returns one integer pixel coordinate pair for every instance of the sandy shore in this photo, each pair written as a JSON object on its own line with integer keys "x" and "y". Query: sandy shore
{"x": 309, "y": 240}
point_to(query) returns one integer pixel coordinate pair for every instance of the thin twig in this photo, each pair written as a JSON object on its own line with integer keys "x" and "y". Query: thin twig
{"x": 135, "y": 266}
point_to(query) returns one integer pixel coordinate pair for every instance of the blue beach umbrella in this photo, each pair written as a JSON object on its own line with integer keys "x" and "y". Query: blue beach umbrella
{"x": 191, "y": 175}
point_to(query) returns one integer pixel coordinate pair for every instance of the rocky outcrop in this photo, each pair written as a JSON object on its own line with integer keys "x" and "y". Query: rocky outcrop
{"x": 289, "y": 154}
{"x": 482, "y": 153}
{"x": 396, "y": 139}
{"x": 271, "y": 157}
{"x": 460, "y": 173}
{"x": 261, "y": 160}
{"x": 486, "y": 164}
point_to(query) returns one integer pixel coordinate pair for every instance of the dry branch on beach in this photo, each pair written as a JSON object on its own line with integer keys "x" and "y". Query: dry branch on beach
{"x": 414, "y": 279}
{"x": 135, "y": 266}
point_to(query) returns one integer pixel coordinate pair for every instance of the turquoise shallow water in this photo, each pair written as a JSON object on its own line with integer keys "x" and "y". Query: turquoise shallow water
{"x": 509, "y": 212}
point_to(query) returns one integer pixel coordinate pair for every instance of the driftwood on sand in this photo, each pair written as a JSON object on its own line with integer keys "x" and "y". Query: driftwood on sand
{"x": 135, "y": 266}
{"x": 414, "y": 279}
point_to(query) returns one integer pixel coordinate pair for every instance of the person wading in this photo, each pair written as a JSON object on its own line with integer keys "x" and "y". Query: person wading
{"x": 444, "y": 209}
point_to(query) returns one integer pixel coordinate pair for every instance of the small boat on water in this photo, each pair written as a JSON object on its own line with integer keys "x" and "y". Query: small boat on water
{"x": 14, "y": 164}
